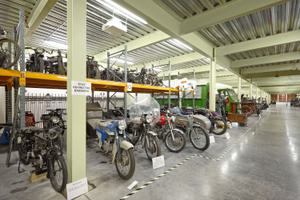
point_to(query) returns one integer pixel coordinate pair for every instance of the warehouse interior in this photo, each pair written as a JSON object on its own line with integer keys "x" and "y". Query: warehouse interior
{"x": 155, "y": 99}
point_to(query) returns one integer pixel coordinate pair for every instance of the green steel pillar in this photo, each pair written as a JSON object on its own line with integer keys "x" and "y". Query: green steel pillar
{"x": 212, "y": 83}
{"x": 76, "y": 136}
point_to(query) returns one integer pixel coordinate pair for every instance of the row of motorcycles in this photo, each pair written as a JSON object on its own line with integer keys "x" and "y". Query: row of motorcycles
{"x": 38, "y": 62}
{"x": 146, "y": 125}
{"x": 295, "y": 102}
{"x": 43, "y": 147}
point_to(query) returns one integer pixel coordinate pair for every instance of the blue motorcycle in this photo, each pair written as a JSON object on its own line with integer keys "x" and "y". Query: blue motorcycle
{"x": 112, "y": 138}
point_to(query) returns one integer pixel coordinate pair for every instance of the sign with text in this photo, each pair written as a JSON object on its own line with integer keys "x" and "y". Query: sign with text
{"x": 158, "y": 162}
{"x": 81, "y": 88}
{"x": 129, "y": 87}
{"x": 77, "y": 188}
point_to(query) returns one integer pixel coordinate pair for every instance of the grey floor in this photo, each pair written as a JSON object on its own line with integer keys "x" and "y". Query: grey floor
{"x": 260, "y": 161}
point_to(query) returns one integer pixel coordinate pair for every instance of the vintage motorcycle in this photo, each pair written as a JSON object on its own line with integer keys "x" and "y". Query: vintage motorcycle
{"x": 218, "y": 124}
{"x": 140, "y": 130}
{"x": 112, "y": 138}
{"x": 9, "y": 51}
{"x": 173, "y": 138}
{"x": 36, "y": 62}
{"x": 194, "y": 127}
{"x": 92, "y": 70}
{"x": 53, "y": 119}
{"x": 36, "y": 146}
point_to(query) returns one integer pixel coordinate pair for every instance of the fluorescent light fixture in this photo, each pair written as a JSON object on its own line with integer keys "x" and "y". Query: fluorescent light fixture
{"x": 180, "y": 44}
{"x": 122, "y": 61}
{"x": 56, "y": 45}
{"x": 122, "y": 11}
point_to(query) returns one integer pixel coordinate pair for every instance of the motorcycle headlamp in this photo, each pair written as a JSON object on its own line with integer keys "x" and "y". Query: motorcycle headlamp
{"x": 122, "y": 125}
{"x": 149, "y": 118}
{"x": 55, "y": 120}
{"x": 173, "y": 118}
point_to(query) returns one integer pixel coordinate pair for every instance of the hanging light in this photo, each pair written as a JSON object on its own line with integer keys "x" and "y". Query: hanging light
{"x": 122, "y": 11}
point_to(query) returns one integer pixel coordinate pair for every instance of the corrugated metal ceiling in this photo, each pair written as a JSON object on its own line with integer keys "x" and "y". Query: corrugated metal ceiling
{"x": 9, "y": 12}
{"x": 277, "y": 19}
{"x": 188, "y": 8}
{"x": 54, "y": 27}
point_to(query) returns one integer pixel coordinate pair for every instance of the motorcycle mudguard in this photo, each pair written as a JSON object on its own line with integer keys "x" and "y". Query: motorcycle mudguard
{"x": 126, "y": 145}
{"x": 177, "y": 129}
{"x": 152, "y": 133}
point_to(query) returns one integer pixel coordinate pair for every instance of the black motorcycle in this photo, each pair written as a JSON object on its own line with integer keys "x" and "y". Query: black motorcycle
{"x": 36, "y": 62}
{"x": 92, "y": 68}
{"x": 36, "y": 146}
{"x": 54, "y": 118}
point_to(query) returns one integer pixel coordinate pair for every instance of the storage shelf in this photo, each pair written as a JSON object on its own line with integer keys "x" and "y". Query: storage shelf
{"x": 53, "y": 81}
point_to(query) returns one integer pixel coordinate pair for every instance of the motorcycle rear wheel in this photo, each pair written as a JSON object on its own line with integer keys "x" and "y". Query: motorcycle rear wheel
{"x": 58, "y": 173}
{"x": 220, "y": 127}
{"x": 125, "y": 158}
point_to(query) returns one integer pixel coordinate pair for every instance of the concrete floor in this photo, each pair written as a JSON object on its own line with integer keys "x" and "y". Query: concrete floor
{"x": 260, "y": 161}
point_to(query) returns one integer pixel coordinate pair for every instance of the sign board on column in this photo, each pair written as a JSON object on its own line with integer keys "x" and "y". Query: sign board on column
{"x": 81, "y": 88}
{"x": 77, "y": 188}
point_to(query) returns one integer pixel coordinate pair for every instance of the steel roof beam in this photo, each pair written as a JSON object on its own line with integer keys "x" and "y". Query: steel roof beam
{"x": 278, "y": 39}
{"x": 39, "y": 12}
{"x": 173, "y": 60}
{"x": 225, "y": 12}
{"x": 266, "y": 59}
{"x": 161, "y": 19}
{"x": 270, "y": 68}
{"x": 146, "y": 40}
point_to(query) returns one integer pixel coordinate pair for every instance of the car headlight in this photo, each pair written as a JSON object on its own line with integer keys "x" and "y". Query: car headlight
{"x": 55, "y": 120}
{"x": 149, "y": 118}
{"x": 122, "y": 125}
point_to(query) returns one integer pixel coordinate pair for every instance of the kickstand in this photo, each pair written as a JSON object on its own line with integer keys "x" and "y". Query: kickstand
{"x": 19, "y": 168}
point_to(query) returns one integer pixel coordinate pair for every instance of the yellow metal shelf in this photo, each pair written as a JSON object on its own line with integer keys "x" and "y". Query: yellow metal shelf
{"x": 39, "y": 80}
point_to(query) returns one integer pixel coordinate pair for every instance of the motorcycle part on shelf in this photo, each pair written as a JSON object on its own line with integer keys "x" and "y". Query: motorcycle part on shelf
{"x": 9, "y": 53}
{"x": 92, "y": 68}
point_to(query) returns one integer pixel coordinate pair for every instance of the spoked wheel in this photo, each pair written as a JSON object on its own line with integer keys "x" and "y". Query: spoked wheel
{"x": 152, "y": 147}
{"x": 220, "y": 127}
{"x": 125, "y": 163}
{"x": 175, "y": 142}
{"x": 58, "y": 173}
{"x": 199, "y": 138}
{"x": 9, "y": 53}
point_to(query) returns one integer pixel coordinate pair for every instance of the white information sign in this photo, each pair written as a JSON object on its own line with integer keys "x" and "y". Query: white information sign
{"x": 81, "y": 88}
{"x": 227, "y": 135}
{"x": 129, "y": 87}
{"x": 77, "y": 188}
{"x": 158, "y": 162}
{"x": 212, "y": 139}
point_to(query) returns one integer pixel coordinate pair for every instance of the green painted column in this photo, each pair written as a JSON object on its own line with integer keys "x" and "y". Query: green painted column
{"x": 76, "y": 135}
{"x": 212, "y": 83}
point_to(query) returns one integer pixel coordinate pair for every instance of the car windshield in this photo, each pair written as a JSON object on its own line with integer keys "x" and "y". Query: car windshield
{"x": 232, "y": 94}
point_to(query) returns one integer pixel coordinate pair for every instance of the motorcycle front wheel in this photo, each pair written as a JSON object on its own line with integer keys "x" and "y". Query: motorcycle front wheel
{"x": 152, "y": 147}
{"x": 125, "y": 163}
{"x": 199, "y": 138}
{"x": 175, "y": 143}
{"x": 58, "y": 173}
{"x": 220, "y": 126}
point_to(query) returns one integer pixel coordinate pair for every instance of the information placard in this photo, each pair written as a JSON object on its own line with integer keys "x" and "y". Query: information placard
{"x": 158, "y": 162}
{"x": 81, "y": 88}
{"x": 77, "y": 188}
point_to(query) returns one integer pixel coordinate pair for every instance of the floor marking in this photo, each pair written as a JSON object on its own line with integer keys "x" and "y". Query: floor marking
{"x": 158, "y": 177}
